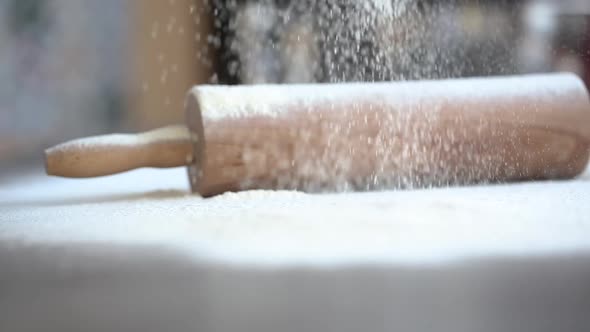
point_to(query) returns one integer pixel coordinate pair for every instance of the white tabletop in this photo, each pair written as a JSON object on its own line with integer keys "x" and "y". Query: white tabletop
{"x": 155, "y": 207}
{"x": 137, "y": 250}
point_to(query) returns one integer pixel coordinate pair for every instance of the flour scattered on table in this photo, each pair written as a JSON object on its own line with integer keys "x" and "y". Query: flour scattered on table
{"x": 268, "y": 227}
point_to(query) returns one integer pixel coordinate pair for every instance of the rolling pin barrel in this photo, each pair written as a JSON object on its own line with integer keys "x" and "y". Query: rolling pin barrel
{"x": 366, "y": 136}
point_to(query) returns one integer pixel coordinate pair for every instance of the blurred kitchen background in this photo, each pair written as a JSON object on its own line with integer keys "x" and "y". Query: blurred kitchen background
{"x": 71, "y": 68}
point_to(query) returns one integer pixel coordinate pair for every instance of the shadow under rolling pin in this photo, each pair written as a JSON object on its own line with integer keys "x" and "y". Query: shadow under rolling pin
{"x": 357, "y": 136}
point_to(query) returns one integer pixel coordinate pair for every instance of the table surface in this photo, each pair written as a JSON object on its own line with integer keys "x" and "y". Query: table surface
{"x": 154, "y": 207}
{"x": 137, "y": 251}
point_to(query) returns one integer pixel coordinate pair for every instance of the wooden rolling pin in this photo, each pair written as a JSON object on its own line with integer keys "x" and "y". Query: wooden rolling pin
{"x": 357, "y": 136}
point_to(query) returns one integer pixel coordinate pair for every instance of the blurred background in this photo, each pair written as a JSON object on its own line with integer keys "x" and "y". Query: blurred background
{"x": 71, "y": 68}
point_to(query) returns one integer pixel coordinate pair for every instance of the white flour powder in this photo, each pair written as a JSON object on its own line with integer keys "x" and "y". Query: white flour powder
{"x": 153, "y": 207}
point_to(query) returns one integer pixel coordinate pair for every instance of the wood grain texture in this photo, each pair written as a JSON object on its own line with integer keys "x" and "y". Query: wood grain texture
{"x": 110, "y": 154}
{"x": 365, "y": 136}
{"x": 392, "y": 135}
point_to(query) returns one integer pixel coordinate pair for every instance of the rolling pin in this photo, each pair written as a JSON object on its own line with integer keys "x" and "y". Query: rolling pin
{"x": 357, "y": 136}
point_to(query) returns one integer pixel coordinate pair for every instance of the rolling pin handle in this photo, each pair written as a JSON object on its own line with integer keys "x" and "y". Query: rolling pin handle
{"x": 111, "y": 154}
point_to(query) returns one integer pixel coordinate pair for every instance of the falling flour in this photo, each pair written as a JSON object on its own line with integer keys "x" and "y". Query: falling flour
{"x": 267, "y": 41}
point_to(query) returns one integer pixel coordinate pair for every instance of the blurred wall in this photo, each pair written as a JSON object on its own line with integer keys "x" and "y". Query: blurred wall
{"x": 168, "y": 53}
{"x": 60, "y": 71}
{"x": 84, "y": 67}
